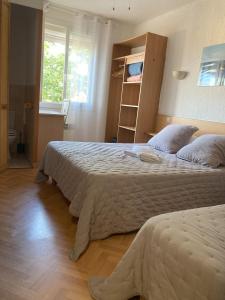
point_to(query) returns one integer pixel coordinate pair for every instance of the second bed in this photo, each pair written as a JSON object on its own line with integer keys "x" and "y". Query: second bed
{"x": 179, "y": 255}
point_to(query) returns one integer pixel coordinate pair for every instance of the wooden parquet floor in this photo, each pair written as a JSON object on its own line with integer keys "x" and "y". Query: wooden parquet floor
{"x": 36, "y": 234}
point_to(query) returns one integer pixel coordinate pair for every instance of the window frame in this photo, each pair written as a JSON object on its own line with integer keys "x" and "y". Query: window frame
{"x": 68, "y": 33}
{"x": 48, "y": 105}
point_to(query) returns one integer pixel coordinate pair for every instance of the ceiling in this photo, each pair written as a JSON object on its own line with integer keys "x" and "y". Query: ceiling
{"x": 141, "y": 10}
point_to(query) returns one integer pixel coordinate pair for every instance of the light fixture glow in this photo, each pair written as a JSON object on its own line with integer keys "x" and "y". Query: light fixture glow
{"x": 179, "y": 74}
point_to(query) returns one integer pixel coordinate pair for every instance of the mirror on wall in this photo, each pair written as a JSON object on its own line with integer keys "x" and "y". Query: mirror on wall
{"x": 212, "y": 67}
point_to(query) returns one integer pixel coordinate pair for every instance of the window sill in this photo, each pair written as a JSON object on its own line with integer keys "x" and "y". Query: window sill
{"x": 44, "y": 104}
{"x": 50, "y": 109}
{"x": 51, "y": 113}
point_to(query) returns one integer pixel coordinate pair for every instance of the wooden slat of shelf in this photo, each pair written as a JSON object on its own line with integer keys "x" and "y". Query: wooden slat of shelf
{"x": 134, "y": 42}
{"x": 129, "y": 105}
{"x": 131, "y": 82}
{"x": 128, "y": 128}
{"x": 130, "y": 56}
{"x": 135, "y": 54}
{"x": 135, "y": 58}
{"x": 119, "y": 58}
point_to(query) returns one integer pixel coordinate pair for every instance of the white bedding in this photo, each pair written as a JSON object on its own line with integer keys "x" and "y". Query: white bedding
{"x": 112, "y": 192}
{"x": 175, "y": 256}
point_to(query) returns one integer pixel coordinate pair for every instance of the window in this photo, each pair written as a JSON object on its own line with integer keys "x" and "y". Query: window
{"x": 66, "y": 65}
{"x": 79, "y": 69}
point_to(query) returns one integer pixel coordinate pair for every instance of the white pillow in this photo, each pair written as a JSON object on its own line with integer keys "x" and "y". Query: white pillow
{"x": 207, "y": 150}
{"x": 172, "y": 138}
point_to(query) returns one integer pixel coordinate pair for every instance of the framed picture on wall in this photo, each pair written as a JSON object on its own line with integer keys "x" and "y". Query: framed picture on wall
{"x": 212, "y": 68}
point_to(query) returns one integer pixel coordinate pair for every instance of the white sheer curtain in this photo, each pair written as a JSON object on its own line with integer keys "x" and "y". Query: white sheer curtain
{"x": 88, "y": 53}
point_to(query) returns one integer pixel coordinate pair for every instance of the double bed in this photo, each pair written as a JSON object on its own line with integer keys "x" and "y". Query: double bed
{"x": 111, "y": 192}
{"x": 179, "y": 255}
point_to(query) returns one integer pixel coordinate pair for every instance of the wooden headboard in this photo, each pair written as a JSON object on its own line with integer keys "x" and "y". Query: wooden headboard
{"x": 204, "y": 126}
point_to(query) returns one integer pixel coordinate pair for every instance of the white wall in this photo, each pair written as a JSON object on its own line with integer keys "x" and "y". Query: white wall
{"x": 189, "y": 29}
{"x": 122, "y": 31}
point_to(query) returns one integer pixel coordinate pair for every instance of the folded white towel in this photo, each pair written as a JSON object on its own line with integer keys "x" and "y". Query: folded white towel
{"x": 150, "y": 157}
{"x": 146, "y": 156}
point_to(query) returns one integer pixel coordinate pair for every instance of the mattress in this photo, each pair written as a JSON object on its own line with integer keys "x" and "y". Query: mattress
{"x": 113, "y": 193}
{"x": 177, "y": 255}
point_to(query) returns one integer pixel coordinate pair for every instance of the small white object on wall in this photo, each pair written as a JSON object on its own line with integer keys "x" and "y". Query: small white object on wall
{"x": 179, "y": 75}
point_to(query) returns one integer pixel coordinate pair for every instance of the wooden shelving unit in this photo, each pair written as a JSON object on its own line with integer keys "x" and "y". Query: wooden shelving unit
{"x": 133, "y": 106}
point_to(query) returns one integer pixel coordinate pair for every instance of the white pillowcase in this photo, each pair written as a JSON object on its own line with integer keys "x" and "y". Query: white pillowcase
{"x": 207, "y": 150}
{"x": 172, "y": 138}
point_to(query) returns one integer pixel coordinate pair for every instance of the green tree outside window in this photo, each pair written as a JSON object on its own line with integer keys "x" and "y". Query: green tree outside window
{"x": 53, "y": 72}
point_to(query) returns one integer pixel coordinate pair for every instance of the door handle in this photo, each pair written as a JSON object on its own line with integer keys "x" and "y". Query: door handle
{"x": 28, "y": 105}
{"x": 4, "y": 106}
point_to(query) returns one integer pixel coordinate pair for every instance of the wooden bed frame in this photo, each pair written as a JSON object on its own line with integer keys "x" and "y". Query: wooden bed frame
{"x": 204, "y": 126}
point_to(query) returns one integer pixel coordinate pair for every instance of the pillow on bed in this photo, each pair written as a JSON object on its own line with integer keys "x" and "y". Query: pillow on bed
{"x": 172, "y": 138}
{"x": 207, "y": 150}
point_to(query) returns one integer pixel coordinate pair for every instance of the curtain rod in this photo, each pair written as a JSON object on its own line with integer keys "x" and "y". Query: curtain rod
{"x": 70, "y": 10}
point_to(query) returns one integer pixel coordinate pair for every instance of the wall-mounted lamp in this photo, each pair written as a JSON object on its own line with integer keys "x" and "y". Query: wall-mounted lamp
{"x": 179, "y": 75}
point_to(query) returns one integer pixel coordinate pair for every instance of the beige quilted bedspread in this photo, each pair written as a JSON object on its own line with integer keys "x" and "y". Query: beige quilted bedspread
{"x": 114, "y": 193}
{"x": 175, "y": 256}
